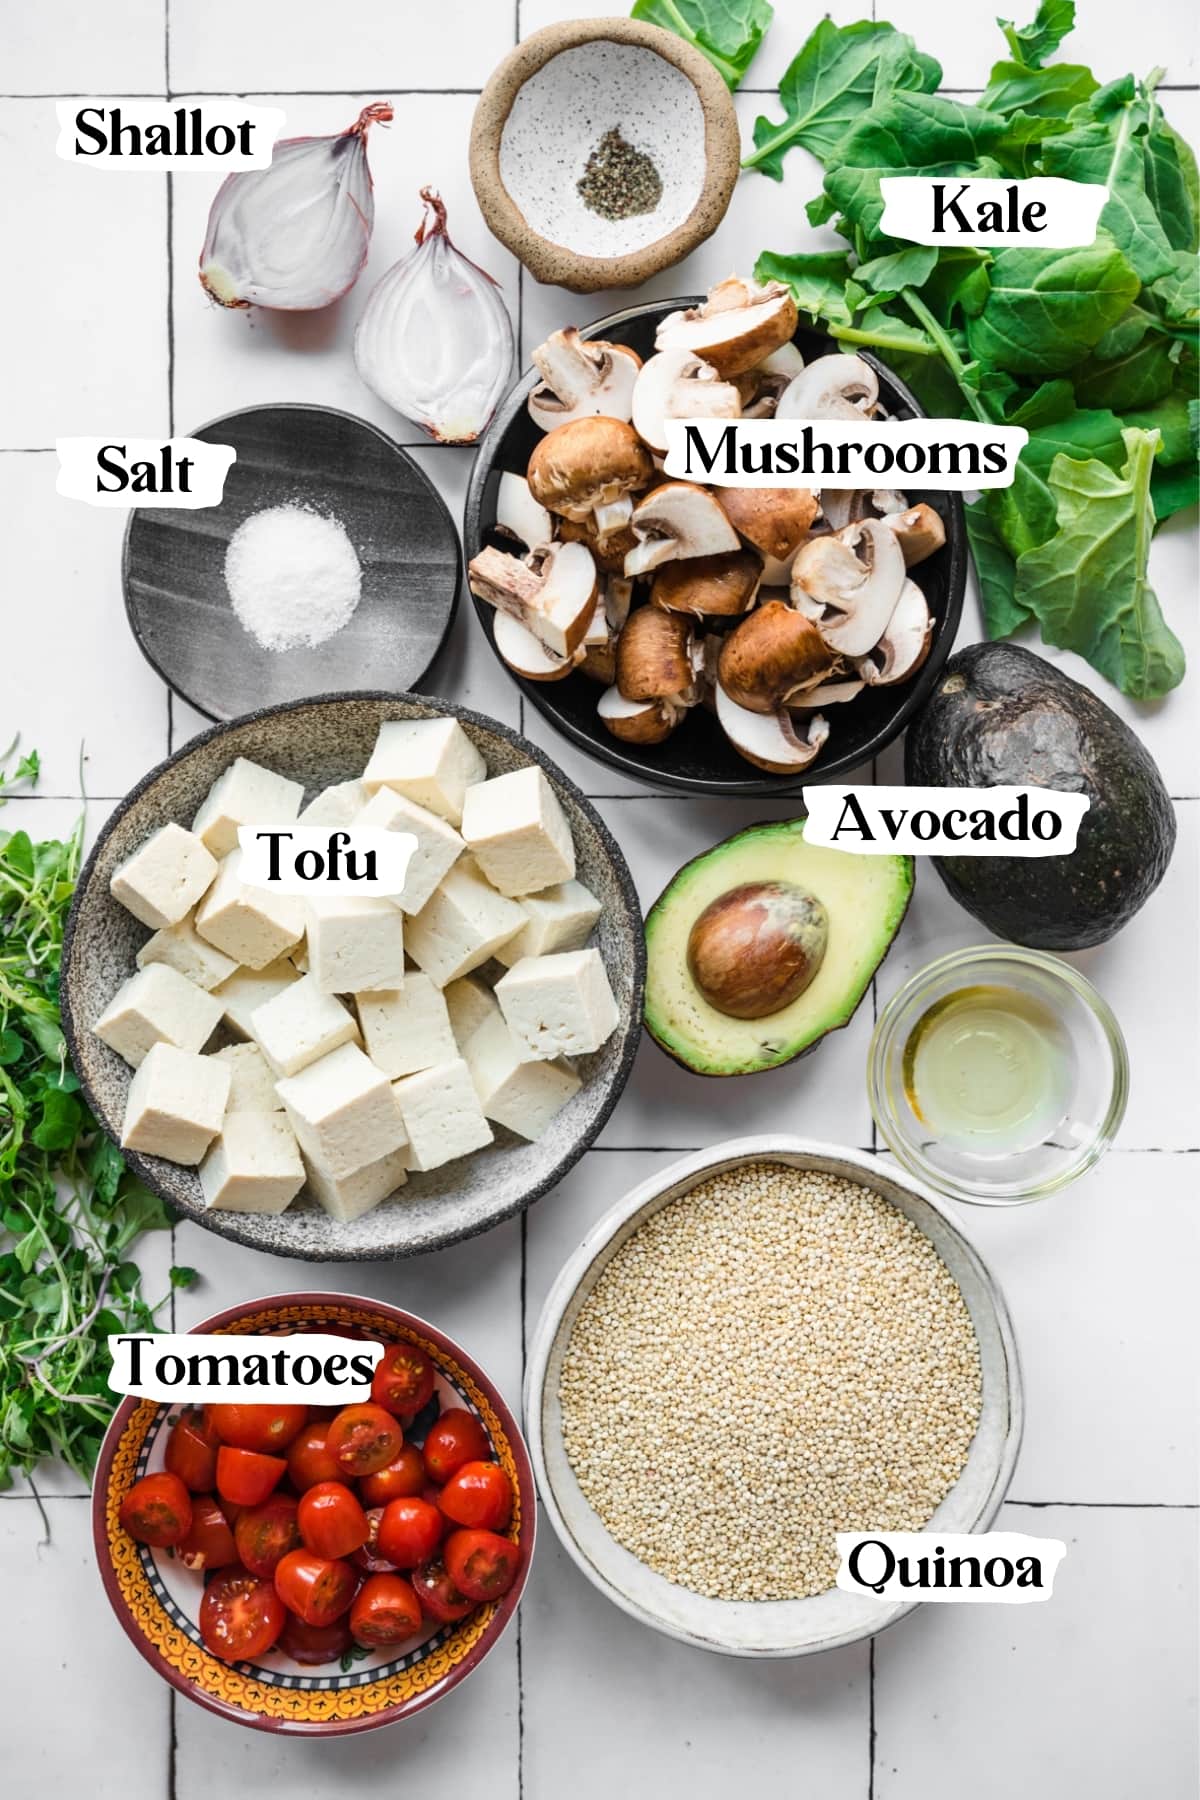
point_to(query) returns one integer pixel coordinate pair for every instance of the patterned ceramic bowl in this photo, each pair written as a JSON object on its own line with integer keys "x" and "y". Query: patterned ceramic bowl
{"x": 157, "y": 1600}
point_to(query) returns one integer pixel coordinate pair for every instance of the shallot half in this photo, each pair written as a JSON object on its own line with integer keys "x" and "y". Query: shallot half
{"x": 294, "y": 236}
{"x": 435, "y": 340}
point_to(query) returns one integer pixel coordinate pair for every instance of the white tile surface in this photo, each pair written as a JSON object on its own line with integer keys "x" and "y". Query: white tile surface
{"x": 72, "y": 47}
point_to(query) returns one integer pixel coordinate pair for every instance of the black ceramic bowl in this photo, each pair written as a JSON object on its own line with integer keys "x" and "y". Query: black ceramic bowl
{"x": 698, "y": 757}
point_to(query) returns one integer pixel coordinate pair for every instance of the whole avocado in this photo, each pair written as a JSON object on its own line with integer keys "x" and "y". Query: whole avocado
{"x": 1000, "y": 715}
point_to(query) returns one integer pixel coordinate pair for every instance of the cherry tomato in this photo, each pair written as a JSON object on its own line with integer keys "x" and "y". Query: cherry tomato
{"x": 192, "y": 1452}
{"x": 403, "y": 1380}
{"x": 409, "y": 1531}
{"x": 367, "y": 1555}
{"x": 209, "y": 1544}
{"x": 241, "y": 1616}
{"x": 315, "y": 1643}
{"x": 385, "y": 1611}
{"x": 264, "y": 1534}
{"x": 404, "y": 1476}
{"x": 245, "y": 1477}
{"x": 157, "y": 1510}
{"x": 308, "y": 1460}
{"x": 331, "y": 1520}
{"x": 454, "y": 1439}
{"x": 316, "y": 1589}
{"x": 266, "y": 1428}
{"x": 480, "y": 1495}
{"x": 364, "y": 1439}
{"x": 481, "y": 1564}
{"x": 440, "y": 1599}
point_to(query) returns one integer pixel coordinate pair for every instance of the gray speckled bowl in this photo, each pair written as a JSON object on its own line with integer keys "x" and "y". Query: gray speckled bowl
{"x": 317, "y": 742}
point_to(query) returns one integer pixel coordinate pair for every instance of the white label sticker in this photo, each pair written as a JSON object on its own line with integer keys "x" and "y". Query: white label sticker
{"x": 132, "y": 472}
{"x": 313, "y": 1366}
{"x": 1003, "y": 1567}
{"x": 944, "y": 821}
{"x": 153, "y": 135}
{"x": 944, "y": 454}
{"x": 362, "y": 862}
{"x": 1045, "y": 210}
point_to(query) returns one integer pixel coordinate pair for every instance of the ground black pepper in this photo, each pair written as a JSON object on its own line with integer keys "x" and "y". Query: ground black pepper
{"x": 618, "y": 182}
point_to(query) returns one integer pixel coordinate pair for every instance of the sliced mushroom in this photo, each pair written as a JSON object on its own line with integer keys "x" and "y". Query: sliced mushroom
{"x": 735, "y": 327}
{"x": 835, "y": 692}
{"x": 774, "y": 654}
{"x": 770, "y": 740}
{"x": 581, "y": 379}
{"x": 638, "y": 721}
{"x": 904, "y": 644}
{"x": 678, "y": 520}
{"x": 551, "y": 591}
{"x": 654, "y": 658}
{"x": 527, "y": 655}
{"x": 761, "y": 386}
{"x": 920, "y": 532}
{"x": 519, "y": 515}
{"x": 609, "y": 549}
{"x": 618, "y": 598}
{"x": 774, "y": 521}
{"x": 591, "y": 467}
{"x": 855, "y": 578}
{"x": 883, "y": 501}
{"x": 677, "y": 384}
{"x": 833, "y": 387}
{"x": 709, "y": 587}
{"x": 840, "y": 507}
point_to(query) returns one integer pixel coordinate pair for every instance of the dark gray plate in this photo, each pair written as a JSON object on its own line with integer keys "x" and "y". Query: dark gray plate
{"x": 405, "y": 539}
{"x": 318, "y": 742}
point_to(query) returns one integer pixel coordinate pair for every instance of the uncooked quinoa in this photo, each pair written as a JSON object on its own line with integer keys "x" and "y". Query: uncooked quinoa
{"x": 293, "y": 576}
{"x": 776, "y": 1357}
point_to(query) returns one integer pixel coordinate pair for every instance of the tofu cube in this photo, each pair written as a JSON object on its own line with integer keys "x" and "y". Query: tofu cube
{"x": 518, "y": 832}
{"x": 348, "y": 1197}
{"x": 245, "y": 992}
{"x": 354, "y": 945}
{"x": 439, "y": 846}
{"x": 407, "y": 1028}
{"x": 254, "y": 1166}
{"x": 246, "y": 794}
{"x": 464, "y": 923}
{"x": 158, "y": 1005}
{"x": 299, "y": 1025}
{"x": 162, "y": 881}
{"x": 559, "y": 918}
{"x": 343, "y": 1111}
{"x": 442, "y": 1114}
{"x": 431, "y": 761}
{"x": 252, "y": 1079}
{"x": 469, "y": 1003}
{"x": 176, "y": 1104}
{"x": 334, "y": 806}
{"x": 560, "y": 1005}
{"x": 181, "y": 947}
{"x": 522, "y": 1095}
{"x": 253, "y": 925}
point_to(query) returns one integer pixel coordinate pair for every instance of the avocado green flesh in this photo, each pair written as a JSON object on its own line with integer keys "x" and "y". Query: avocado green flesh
{"x": 865, "y": 898}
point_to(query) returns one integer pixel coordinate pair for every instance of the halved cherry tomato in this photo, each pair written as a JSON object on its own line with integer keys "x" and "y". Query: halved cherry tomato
{"x": 192, "y": 1452}
{"x": 409, "y": 1531}
{"x": 308, "y": 1459}
{"x": 367, "y": 1555}
{"x": 264, "y": 1534}
{"x": 209, "y": 1544}
{"x": 364, "y": 1439}
{"x": 241, "y": 1616}
{"x": 386, "y": 1611}
{"x": 315, "y": 1643}
{"x": 480, "y": 1495}
{"x": 454, "y": 1439}
{"x": 266, "y": 1428}
{"x": 481, "y": 1564}
{"x": 245, "y": 1477}
{"x": 404, "y": 1379}
{"x": 315, "y": 1588}
{"x": 331, "y": 1520}
{"x": 157, "y": 1510}
{"x": 404, "y": 1476}
{"x": 440, "y": 1599}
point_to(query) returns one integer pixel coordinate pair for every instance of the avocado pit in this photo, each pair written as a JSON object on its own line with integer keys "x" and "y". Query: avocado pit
{"x": 756, "y": 947}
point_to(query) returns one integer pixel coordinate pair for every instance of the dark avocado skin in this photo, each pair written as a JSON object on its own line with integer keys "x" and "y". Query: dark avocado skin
{"x": 1001, "y": 715}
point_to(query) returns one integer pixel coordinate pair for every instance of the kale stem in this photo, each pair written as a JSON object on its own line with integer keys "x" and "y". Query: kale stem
{"x": 950, "y": 356}
{"x": 914, "y": 346}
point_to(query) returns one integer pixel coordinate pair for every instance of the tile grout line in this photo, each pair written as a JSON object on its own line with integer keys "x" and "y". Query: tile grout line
{"x": 871, "y": 1682}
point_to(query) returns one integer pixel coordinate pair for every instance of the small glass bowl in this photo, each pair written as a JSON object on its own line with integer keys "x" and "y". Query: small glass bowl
{"x": 1093, "y": 1114}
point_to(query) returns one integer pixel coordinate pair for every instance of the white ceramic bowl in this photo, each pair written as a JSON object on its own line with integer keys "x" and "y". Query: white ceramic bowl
{"x": 776, "y": 1627}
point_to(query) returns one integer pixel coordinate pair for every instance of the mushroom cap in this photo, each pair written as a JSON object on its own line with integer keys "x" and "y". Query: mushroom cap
{"x": 581, "y": 378}
{"x": 708, "y": 587}
{"x": 525, "y": 655}
{"x": 678, "y": 384}
{"x": 770, "y": 740}
{"x": 552, "y": 591}
{"x": 678, "y": 519}
{"x": 738, "y": 325}
{"x": 774, "y": 520}
{"x": 849, "y": 583}
{"x": 587, "y": 463}
{"x": 637, "y": 721}
{"x": 774, "y": 653}
{"x": 654, "y": 656}
{"x": 519, "y": 515}
{"x": 838, "y": 386}
{"x": 920, "y": 531}
{"x": 904, "y": 644}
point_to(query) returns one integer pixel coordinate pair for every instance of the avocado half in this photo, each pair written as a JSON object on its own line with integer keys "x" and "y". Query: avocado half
{"x": 865, "y": 898}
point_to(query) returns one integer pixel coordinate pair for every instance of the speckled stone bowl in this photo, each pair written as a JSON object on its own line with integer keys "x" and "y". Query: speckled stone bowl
{"x": 318, "y": 742}
{"x": 549, "y": 103}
